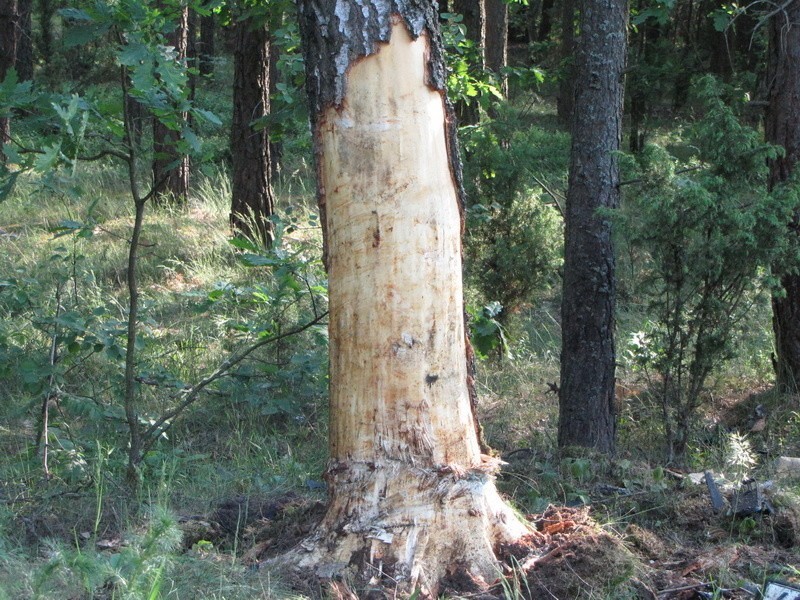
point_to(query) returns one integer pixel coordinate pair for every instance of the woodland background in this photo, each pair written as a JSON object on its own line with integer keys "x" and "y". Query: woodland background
{"x": 163, "y": 349}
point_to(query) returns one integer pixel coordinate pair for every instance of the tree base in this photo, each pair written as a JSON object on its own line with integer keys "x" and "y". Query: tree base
{"x": 406, "y": 528}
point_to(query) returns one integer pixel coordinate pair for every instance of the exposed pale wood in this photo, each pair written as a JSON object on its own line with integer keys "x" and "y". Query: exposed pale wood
{"x": 411, "y": 495}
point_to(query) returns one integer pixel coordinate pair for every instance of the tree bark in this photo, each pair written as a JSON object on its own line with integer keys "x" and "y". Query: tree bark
{"x": 497, "y": 40}
{"x": 474, "y": 14}
{"x": 532, "y": 20}
{"x": 546, "y": 21}
{"x": 411, "y": 495}
{"x": 253, "y": 201}
{"x": 170, "y": 168}
{"x": 25, "y": 41}
{"x": 783, "y": 128}
{"x": 9, "y": 37}
{"x": 275, "y": 147}
{"x": 566, "y": 85}
{"x": 586, "y": 394}
{"x": 207, "y": 47}
{"x": 46, "y": 10}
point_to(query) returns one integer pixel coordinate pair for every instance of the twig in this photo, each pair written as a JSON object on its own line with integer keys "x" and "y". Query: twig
{"x": 44, "y": 437}
{"x": 683, "y": 588}
{"x": 550, "y": 193}
{"x": 163, "y": 423}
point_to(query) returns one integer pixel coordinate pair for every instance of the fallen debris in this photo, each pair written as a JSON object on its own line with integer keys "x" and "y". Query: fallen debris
{"x": 716, "y": 498}
{"x": 750, "y": 500}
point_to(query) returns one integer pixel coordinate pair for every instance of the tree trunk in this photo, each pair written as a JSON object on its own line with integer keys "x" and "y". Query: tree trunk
{"x": 46, "y": 10}
{"x": 170, "y": 168}
{"x": 783, "y": 128}
{"x": 497, "y": 40}
{"x": 207, "y": 48}
{"x": 9, "y": 29}
{"x": 275, "y": 147}
{"x": 647, "y": 36}
{"x": 586, "y": 395}
{"x": 253, "y": 202}
{"x": 715, "y": 42}
{"x": 532, "y": 20}
{"x": 546, "y": 22}
{"x": 566, "y": 85}
{"x": 411, "y": 495}
{"x": 474, "y": 13}
{"x": 192, "y": 56}
{"x": 25, "y": 41}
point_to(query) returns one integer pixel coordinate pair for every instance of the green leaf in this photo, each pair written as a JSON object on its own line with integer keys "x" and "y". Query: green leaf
{"x": 75, "y": 14}
{"x": 191, "y": 138}
{"x": 257, "y": 260}
{"x": 7, "y": 181}
{"x": 208, "y": 116}
{"x": 134, "y": 53}
{"x": 47, "y": 160}
{"x": 243, "y": 244}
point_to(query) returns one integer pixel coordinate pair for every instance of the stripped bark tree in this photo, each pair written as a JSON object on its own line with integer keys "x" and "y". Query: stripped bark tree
{"x": 586, "y": 394}
{"x": 411, "y": 496}
{"x": 783, "y": 129}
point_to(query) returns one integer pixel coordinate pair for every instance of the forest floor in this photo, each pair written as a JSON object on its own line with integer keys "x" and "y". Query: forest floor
{"x": 625, "y": 529}
{"x": 237, "y": 480}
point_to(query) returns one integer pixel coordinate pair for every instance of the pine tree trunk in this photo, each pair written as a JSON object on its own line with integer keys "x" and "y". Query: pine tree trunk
{"x": 207, "y": 47}
{"x": 586, "y": 395}
{"x": 532, "y": 19}
{"x": 275, "y": 147}
{"x": 25, "y": 42}
{"x": 783, "y": 128}
{"x": 474, "y": 13}
{"x": 546, "y": 22}
{"x": 171, "y": 179}
{"x": 46, "y": 12}
{"x": 9, "y": 28}
{"x": 253, "y": 202}
{"x": 566, "y": 85}
{"x": 411, "y": 495}
{"x": 497, "y": 40}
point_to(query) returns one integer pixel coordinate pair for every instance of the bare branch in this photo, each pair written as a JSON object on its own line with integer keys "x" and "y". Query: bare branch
{"x": 190, "y": 395}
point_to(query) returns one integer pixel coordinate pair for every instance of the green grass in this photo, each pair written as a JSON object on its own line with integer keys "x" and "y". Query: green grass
{"x": 261, "y": 432}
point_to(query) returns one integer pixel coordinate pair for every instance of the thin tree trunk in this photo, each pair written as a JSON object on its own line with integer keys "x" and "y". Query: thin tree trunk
{"x": 253, "y": 202}
{"x": 46, "y": 12}
{"x": 207, "y": 47}
{"x": 192, "y": 56}
{"x": 411, "y": 496}
{"x": 566, "y": 85}
{"x": 546, "y": 22}
{"x": 275, "y": 147}
{"x": 474, "y": 13}
{"x": 783, "y": 128}
{"x": 586, "y": 394}
{"x": 9, "y": 30}
{"x": 25, "y": 41}
{"x": 715, "y": 42}
{"x": 532, "y": 19}
{"x": 497, "y": 40}
{"x": 170, "y": 168}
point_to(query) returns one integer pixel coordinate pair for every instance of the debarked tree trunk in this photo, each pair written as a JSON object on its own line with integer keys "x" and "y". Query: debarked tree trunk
{"x": 411, "y": 495}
